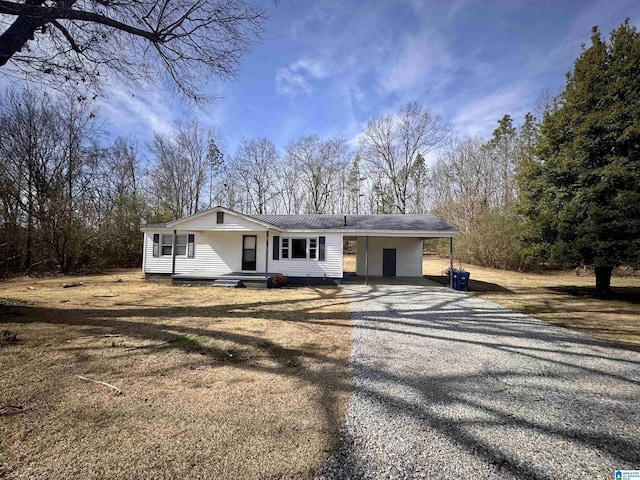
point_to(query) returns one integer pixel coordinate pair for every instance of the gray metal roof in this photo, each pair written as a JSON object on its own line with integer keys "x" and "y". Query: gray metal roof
{"x": 424, "y": 223}
{"x": 392, "y": 222}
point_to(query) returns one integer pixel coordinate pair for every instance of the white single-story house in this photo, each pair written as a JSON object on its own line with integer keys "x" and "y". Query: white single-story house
{"x": 222, "y": 243}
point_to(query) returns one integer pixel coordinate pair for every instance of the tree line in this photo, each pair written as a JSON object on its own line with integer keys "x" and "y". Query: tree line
{"x": 68, "y": 201}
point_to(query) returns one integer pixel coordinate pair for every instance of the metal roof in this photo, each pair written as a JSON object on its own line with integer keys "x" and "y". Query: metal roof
{"x": 395, "y": 222}
{"x": 345, "y": 223}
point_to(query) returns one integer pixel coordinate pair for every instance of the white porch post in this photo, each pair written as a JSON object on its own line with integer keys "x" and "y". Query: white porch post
{"x": 266, "y": 256}
{"x": 450, "y": 262}
{"x": 173, "y": 253}
{"x": 144, "y": 252}
{"x": 366, "y": 260}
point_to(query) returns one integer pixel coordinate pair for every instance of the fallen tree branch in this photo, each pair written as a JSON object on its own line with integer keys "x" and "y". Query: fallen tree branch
{"x": 105, "y": 296}
{"x": 118, "y": 391}
{"x": 41, "y": 261}
{"x": 7, "y": 409}
{"x": 73, "y": 284}
{"x": 151, "y": 345}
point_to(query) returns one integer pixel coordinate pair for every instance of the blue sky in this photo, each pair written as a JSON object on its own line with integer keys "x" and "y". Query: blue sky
{"x": 327, "y": 67}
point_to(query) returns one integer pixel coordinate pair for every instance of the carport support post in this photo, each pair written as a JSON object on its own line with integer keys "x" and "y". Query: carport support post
{"x": 366, "y": 260}
{"x": 450, "y": 262}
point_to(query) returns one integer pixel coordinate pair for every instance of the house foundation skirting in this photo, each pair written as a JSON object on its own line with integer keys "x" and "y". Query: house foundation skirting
{"x": 248, "y": 280}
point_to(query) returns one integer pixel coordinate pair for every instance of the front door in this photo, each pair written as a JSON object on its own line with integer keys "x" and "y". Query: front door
{"x": 249, "y": 256}
{"x": 389, "y": 262}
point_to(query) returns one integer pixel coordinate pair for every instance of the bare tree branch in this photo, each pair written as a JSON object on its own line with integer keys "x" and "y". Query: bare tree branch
{"x": 77, "y": 40}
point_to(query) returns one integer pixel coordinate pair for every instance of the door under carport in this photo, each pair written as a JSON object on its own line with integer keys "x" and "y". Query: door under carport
{"x": 389, "y": 262}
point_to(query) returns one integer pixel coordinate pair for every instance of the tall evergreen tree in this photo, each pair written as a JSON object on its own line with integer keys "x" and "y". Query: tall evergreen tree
{"x": 354, "y": 186}
{"x": 503, "y": 148}
{"x": 419, "y": 179}
{"x": 583, "y": 193}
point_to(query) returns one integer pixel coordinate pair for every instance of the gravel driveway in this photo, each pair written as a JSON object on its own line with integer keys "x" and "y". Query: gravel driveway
{"x": 451, "y": 386}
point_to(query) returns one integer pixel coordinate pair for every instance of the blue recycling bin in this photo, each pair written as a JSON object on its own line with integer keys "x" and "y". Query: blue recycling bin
{"x": 461, "y": 280}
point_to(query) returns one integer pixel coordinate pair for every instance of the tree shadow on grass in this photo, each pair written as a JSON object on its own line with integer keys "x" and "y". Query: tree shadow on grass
{"x": 443, "y": 323}
{"x": 194, "y": 330}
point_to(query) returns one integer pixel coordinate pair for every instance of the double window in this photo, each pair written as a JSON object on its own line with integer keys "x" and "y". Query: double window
{"x": 163, "y": 245}
{"x": 299, "y": 248}
{"x": 181, "y": 244}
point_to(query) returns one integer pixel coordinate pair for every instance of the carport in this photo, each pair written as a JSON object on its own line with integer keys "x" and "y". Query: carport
{"x": 392, "y": 245}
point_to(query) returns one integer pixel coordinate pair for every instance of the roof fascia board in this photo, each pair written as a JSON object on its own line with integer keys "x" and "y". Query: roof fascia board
{"x": 357, "y": 233}
{"x": 380, "y": 233}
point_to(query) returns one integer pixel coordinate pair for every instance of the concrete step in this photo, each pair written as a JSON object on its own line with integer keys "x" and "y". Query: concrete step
{"x": 228, "y": 283}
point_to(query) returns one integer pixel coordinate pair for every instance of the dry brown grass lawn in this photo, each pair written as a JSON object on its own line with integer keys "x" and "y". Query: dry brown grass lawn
{"x": 251, "y": 384}
{"x": 560, "y": 297}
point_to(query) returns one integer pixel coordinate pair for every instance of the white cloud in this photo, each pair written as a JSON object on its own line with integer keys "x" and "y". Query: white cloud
{"x": 296, "y": 78}
{"x": 480, "y": 117}
{"x": 142, "y": 113}
{"x": 425, "y": 9}
{"x": 420, "y": 55}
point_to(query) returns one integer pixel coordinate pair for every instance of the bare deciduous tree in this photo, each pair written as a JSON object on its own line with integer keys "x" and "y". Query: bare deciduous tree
{"x": 318, "y": 164}
{"x": 290, "y": 191}
{"x": 464, "y": 182}
{"x": 254, "y": 166}
{"x": 120, "y": 205}
{"x": 391, "y": 143}
{"x": 183, "y": 41}
{"x": 47, "y": 147}
{"x": 181, "y": 168}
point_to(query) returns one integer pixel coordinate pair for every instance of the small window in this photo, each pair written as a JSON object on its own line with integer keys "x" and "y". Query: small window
{"x": 220, "y": 217}
{"x": 181, "y": 244}
{"x": 313, "y": 247}
{"x": 167, "y": 244}
{"x": 285, "y": 248}
{"x": 191, "y": 247}
{"x": 298, "y": 248}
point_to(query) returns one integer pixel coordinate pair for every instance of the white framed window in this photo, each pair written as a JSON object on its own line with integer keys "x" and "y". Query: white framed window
{"x": 313, "y": 247}
{"x": 299, "y": 248}
{"x": 167, "y": 245}
{"x": 181, "y": 245}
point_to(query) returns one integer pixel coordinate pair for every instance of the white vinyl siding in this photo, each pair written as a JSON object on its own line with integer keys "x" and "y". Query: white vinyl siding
{"x": 220, "y": 252}
{"x": 408, "y": 255}
{"x": 215, "y": 252}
